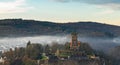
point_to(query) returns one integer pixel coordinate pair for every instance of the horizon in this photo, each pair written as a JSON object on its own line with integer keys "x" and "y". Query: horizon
{"x": 63, "y": 22}
{"x": 62, "y": 11}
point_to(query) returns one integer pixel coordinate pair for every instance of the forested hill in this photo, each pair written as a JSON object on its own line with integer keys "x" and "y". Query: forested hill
{"x": 19, "y": 27}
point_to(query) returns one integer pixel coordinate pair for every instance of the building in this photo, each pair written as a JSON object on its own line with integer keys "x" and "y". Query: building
{"x": 74, "y": 42}
{"x": 2, "y": 60}
{"x": 43, "y": 60}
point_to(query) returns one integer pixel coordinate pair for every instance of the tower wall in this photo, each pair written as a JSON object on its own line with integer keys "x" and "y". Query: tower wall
{"x": 74, "y": 41}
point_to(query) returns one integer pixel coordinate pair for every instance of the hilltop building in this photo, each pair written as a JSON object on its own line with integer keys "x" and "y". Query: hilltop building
{"x": 75, "y": 44}
{"x": 72, "y": 49}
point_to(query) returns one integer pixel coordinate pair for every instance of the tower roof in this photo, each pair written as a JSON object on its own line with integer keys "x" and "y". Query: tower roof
{"x": 73, "y": 33}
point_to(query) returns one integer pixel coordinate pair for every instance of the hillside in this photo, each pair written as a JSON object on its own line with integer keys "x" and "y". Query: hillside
{"x": 19, "y": 27}
{"x": 114, "y": 52}
{"x": 115, "y": 55}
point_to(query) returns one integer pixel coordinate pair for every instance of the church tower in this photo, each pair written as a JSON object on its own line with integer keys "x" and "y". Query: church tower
{"x": 74, "y": 41}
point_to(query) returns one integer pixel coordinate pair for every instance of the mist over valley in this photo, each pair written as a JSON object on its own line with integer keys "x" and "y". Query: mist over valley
{"x": 17, "y": 32}
{"x": 101, "y": 44}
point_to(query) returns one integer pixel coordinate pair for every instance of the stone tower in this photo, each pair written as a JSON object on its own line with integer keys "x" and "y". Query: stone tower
{"x": 74, "y": 41}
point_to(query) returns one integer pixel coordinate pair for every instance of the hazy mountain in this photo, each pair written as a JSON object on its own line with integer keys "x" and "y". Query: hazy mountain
{"x": 19, "y": 27}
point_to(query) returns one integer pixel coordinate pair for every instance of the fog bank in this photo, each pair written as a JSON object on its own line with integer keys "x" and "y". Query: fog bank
{"x": 96, "y": 43}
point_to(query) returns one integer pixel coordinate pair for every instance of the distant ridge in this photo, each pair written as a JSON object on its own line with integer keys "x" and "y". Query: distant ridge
{"x": 20, "y": 27}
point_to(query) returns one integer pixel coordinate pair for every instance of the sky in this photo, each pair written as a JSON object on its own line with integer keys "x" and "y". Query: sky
{"x": 62, "y": 11}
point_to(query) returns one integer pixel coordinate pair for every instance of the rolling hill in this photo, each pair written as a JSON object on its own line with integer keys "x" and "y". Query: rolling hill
{"x": 20, "y": 27}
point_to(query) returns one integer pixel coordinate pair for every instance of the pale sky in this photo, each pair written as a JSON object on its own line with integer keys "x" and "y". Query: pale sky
{"x": 62, "y": 11}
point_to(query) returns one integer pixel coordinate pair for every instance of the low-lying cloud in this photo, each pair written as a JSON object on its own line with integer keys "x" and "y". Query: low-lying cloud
{"x": 103, "y": 44}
